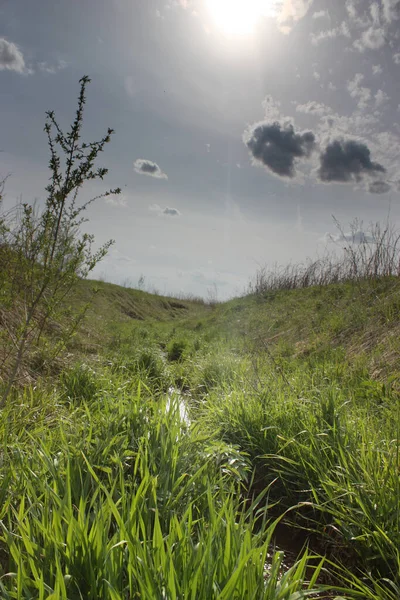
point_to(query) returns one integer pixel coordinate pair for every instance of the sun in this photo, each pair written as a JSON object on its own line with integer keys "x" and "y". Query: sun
{"x": 238, "y": 17}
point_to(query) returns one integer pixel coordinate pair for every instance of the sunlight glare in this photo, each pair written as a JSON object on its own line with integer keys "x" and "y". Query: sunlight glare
{"x": 238, "y": 17}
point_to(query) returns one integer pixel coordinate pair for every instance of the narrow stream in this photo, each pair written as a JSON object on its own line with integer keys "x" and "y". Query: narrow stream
{"x": 177, "y": 401}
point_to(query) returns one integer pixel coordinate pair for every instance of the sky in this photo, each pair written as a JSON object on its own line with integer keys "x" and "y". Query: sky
{"x": 241, "y": 126}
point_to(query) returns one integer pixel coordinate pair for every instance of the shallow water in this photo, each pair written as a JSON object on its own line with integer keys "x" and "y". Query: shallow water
{"x": 177, "y": 402}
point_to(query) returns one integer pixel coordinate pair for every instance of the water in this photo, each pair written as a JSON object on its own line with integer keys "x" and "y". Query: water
{"x": 176, "y": 402}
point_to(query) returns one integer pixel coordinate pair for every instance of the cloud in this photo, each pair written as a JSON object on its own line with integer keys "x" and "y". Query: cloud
{"x": 277, "y": 146}
{"x": 322, "y": 14}
{"x": 119, "y": 201}
{"x": 391, "y": 10}
{"x": 377, "y": 69}
{"x": 11, "y": 57}
{"x": 352, "y": 237}
{"x": 150, "y": 168}
{"x": 51, "y": 69}
{"x": 379, "y": 187}
{"x": 358, "y": 92}
{"x": 352, "y": 7}
{"x": 314, "y": 108}
{"x": 292, "y": 11}
{"x": 167, "y": 211}
{"x": 396, "y": 58}
{"x": 272, "y": 108}
{"x": 372, "y": 39}
{"x": 347, "y": 161}
{"x": 380, "y": 98}
{"x": 341, "y": 31}
{"x": 171, "y": 212}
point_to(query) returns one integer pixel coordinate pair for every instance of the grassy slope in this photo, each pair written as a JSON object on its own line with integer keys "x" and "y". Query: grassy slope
{"x": 362, "y": 319}
{"x": 298, "y": 386}
{"x": 114, "y": 310}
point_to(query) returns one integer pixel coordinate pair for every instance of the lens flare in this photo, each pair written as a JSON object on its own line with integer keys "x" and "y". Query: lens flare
{"x": 238, "y": 17}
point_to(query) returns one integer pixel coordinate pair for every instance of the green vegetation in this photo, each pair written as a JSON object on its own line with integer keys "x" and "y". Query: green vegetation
{"x": 163, "y": 462}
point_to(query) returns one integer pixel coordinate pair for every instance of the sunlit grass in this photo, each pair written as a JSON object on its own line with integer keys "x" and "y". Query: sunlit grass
{"x": 109, "y": 489}
{"x": 132, "y": 503}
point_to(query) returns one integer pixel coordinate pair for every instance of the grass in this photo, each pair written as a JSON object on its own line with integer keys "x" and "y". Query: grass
{"x": 292, "y": 416}
{"x": 118, "y": 499}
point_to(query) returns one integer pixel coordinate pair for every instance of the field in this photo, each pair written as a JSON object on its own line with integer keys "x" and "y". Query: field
{"x": 180, "y": 450}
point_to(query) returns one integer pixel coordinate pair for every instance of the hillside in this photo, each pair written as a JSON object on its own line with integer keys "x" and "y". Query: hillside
{"x": 182, "y": 449}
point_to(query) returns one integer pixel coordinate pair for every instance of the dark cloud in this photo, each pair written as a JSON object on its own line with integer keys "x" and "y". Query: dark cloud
{"x": 11, "y": 57}
{"x": 171, "y": 212}
{"x": 379, "y": 187}
{"x": 277, "y": 146}
{"x": 353, "y": 237}
{"x": 167, "y": 211}
{"x": 345, "y": 161}
{"x": 148, "y": 167}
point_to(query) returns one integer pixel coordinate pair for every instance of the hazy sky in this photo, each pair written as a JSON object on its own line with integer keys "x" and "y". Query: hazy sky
{"x": 241, "y": 126}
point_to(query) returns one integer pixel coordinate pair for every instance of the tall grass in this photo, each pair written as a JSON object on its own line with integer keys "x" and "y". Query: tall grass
{"x": 362, "y": 255}
{"x": 329, "y": 445}
{"x": 125, "y": 502}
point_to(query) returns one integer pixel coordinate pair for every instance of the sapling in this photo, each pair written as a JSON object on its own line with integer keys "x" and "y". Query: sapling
{"x": 46, "y": 251}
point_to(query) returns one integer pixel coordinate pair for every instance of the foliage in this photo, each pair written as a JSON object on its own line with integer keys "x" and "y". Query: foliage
{"x": 43, "y": 253}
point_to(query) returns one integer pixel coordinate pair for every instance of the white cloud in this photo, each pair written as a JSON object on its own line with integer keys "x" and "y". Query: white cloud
{"x": 372, "y": 39}
{"x": 149, "y": 168}
{"x": 292, "y": 11}
{"x": 377, "y": 69}
{"x": 380, "y": 98}
{"x": 119, "y": 201}
{"x": 391, "y": 10}
{"x": 51, "y": 69}
{"x": 375, "y": 13}
{"x": 322, "y": 14}
{"x": 358, "y": 92}
{"x": 11, "y": 57}
{"x": 396, "y": 58}
{"x": 341, "y": 31}
{"x": 272, "y": 109}
{"x": 314, "y": 108}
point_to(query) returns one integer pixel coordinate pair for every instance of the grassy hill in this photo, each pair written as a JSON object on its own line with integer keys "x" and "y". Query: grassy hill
{"x": 194, "y": 451}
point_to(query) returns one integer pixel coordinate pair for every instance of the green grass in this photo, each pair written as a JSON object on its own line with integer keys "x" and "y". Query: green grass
{"x": 117, "y": 499}
{"x": 293, "y": 415}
